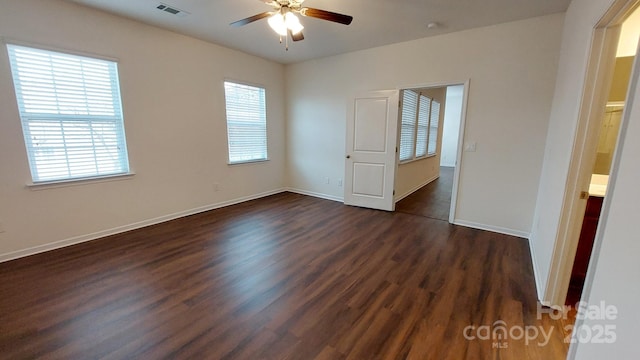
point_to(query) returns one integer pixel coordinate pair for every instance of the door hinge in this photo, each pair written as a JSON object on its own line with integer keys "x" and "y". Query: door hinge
{"x": 394, "y": 192}
{"x": 584, "y": 195}
{"x": 396, "y": 149}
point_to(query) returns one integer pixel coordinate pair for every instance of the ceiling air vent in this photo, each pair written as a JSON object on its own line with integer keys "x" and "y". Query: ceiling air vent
{"x": 171, "y": 10}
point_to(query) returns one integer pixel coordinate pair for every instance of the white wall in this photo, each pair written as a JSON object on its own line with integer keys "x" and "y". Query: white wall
{"x": 173, "y": 100}
{"x": 511, "y": 68}
{"x": 452, "y": 118}
{"x": 580, "y": 21}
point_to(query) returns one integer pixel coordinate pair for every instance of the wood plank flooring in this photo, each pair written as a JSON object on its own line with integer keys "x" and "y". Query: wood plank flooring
{"x": 284, "y": 277}
{"x": 432, "y": 200}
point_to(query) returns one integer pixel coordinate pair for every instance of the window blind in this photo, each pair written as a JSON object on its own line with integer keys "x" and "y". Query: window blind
{"x": 71, "y": 114}
{"x": 433, "y": 128}
{"x": 423, "y": 125}
{"x": 246, "y": 122}
{"x": 408, "y": 124}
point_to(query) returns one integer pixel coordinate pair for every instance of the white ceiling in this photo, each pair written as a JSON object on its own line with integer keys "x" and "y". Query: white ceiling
{"x": 375, "y": 23}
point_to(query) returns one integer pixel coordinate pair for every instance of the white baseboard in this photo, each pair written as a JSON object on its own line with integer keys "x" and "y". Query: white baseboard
{"x": 492, "y": 228}
{"x": 416, "y": 188}
{"x": 120, "y": 229}
{"x": 315, "y": 194}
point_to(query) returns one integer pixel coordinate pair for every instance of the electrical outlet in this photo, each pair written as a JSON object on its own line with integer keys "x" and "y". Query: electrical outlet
{"x": 216, "y": 186}
{"x": 327, "y": 180}
{"x": 339, "y": 182}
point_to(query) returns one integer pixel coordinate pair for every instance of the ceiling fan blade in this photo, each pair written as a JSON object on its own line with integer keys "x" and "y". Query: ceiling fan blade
{"x": 296, "y": 37}
{"x": 327, "y": 15}
{"x": 251, "y": 19}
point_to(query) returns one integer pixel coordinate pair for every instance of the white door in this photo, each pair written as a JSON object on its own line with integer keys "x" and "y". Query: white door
{"x": 370, "y": 166}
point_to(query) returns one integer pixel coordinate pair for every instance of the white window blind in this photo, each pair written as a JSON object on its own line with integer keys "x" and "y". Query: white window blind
{"x": 408, "y": 124}
{"x": 433, "y": 128}
{"x": 246, "y": 122}
{"x": 419, "y": 128}
{"x": 423, "y": 125}
{"x": 71, "y": 114}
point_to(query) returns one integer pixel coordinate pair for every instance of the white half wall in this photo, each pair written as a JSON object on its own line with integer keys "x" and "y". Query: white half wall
{"x": 451, "y": 127}
{"x": 174, "y": 113}
{"x": 512, "y": 71}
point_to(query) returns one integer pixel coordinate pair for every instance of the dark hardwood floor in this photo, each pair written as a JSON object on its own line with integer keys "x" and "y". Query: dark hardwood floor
{"x": 432, "y": 200}
{"x": 284, "y": 277}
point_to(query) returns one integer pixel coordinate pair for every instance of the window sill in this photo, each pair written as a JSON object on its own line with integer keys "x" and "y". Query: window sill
{"x": 81, "y": 181}
{"x": 247, "y": 162}
{"x": 403, "y": 162}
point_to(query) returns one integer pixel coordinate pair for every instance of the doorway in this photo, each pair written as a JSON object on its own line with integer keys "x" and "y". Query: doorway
{"x": 425, "y": 180}
{"x": 604, "y": 103}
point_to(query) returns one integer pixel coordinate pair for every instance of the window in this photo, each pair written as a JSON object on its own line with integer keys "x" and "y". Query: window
{"x": 408, "y": 127}
{"x": 246, "y": 122}
{"x": 419, "y": 126}
{"x": 71, "y": 114}
{"x": 433, "y": 128}
{"x": 423, "y": 126}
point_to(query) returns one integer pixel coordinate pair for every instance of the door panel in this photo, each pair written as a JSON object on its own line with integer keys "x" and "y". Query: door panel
{"x": 368, "y": 179}
{"x": 370, "y": 166}
{"x": 370, "y": 125}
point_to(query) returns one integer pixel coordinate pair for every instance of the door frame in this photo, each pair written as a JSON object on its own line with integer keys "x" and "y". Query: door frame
{"x": 599, "y": 76}
{"x": 460, "y": 147}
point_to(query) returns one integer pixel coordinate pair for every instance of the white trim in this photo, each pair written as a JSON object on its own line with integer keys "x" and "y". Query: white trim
{"x": 417, "y": 158}
{"x": 79, "y": 181}
{"x": 417, "y": 188}
{"x": 458, "y": 165}
{"x": 244, "y": 162}
{"x": 13, "y": 41}
{"x": 496, "y": 229}
{"x": 137, "y": 225}
{"x": 315, "y": 194}
{"x": 536, "y": 274}
{"x": 463, "y": 123}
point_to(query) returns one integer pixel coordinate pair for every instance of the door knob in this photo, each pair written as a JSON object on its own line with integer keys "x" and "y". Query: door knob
{"x": 348, "y": 156}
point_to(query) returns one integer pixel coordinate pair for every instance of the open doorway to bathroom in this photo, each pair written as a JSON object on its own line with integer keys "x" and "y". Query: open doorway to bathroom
{"x": 607, "y": 141}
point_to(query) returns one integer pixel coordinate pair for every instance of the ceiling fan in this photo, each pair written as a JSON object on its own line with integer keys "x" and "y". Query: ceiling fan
{"x": 283, "y": 19}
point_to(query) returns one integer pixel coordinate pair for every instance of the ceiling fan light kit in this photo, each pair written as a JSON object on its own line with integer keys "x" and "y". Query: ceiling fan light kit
{"x": 281, "y": 24}
{"x": 284, "y": 22}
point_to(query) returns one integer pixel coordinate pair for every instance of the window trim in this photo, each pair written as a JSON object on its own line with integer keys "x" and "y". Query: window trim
{"x": 64, "y": 182}
{"x": 12, "y": 41}
{"x": 226, "y": 121}
{"x": 54, "y": 184}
